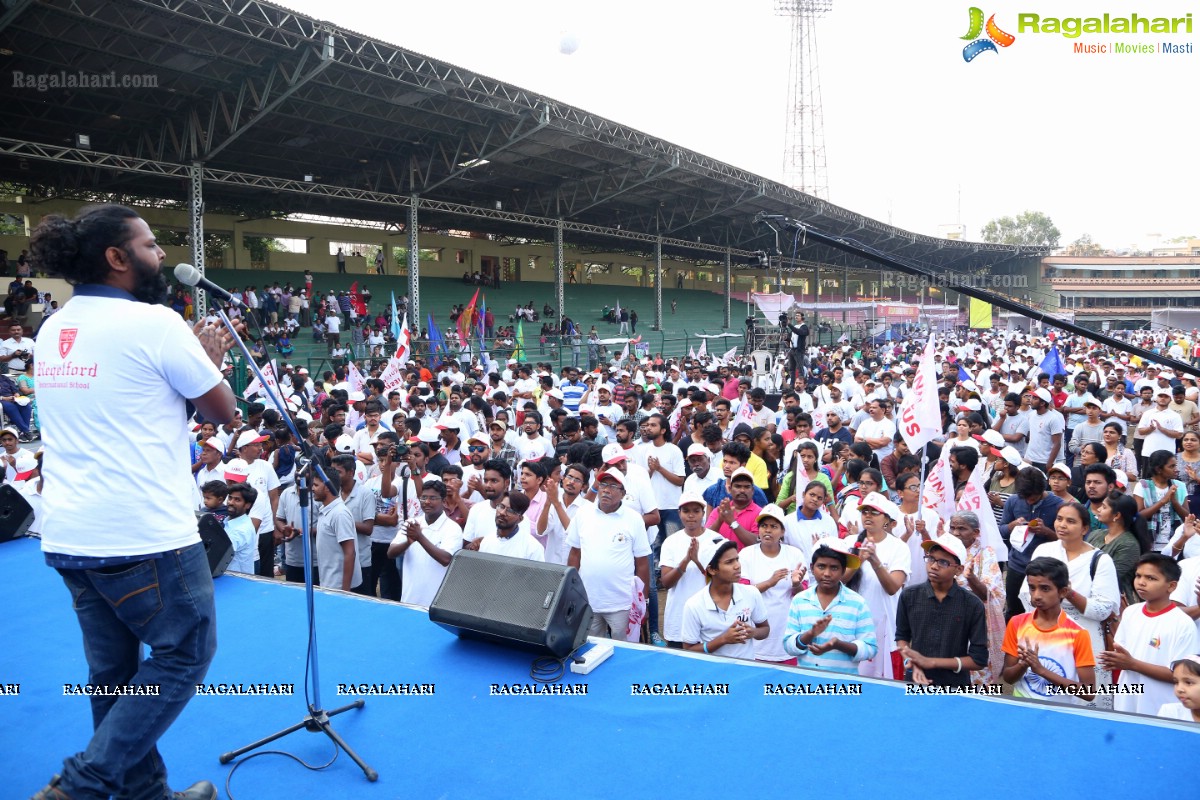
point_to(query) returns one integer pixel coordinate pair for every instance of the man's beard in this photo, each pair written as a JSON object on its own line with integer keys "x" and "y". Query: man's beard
{"x": 151, "y": 286}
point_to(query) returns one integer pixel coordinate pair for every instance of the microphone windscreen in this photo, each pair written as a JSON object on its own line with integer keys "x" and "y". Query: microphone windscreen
{"x": 187, "y": 274}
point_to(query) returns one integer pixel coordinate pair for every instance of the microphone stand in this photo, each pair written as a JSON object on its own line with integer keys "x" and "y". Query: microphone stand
{"x": 317, "y": 719}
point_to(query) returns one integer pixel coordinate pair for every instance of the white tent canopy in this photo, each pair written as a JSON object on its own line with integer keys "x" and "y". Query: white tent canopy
{"x": 772, "y": 305}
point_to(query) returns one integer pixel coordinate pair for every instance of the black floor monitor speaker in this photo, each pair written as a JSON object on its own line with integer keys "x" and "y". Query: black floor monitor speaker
{"x": 514, "y": 601}
{"x": 16, "y": 515}
{"x": 216, "y": 544}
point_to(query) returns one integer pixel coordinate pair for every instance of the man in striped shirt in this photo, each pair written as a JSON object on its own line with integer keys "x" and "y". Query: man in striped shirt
{"x": 829, "y": 626}
{"x": 573, "y": 390}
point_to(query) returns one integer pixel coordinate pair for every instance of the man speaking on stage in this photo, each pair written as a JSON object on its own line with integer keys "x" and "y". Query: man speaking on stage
{"x": 125, "y": 541}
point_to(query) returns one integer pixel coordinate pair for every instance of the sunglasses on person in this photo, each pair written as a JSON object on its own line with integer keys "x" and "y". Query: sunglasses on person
{"x": 477, "y": 448}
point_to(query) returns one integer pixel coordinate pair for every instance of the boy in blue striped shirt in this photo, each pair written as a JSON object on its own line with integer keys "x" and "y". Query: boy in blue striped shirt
{"x": 829, "y": 626}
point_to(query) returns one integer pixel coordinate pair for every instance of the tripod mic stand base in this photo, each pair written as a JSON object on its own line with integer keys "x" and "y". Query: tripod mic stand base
{"x": 316, "y": 721}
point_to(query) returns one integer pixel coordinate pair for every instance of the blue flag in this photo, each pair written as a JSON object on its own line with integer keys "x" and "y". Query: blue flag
{"x": 963, "y": 375}
{"x": 395, "y": 319}
{"x": 1052, "y": 364}
{"x": 482, "y": 331}
{"x": 437, "y": 342}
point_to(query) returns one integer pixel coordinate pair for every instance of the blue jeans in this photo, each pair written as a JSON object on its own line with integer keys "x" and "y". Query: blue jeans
{"x": 166, "y": 603}
{"x": 668, "y": 523}
{"x": 20, "y": 415}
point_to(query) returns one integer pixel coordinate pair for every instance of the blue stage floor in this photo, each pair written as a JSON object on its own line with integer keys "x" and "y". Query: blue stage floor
{"x": 462, "y": 742}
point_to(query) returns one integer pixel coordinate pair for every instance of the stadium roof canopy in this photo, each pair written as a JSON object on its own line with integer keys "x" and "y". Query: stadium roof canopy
{"x": 262, "y": 97}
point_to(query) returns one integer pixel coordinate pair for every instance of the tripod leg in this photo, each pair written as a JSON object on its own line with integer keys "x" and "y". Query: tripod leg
{"x": 225, "y": 758}
{"x": 323, "y": 722}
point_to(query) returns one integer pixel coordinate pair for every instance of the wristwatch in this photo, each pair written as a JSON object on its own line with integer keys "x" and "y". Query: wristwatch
{"x": 733, "y": 526}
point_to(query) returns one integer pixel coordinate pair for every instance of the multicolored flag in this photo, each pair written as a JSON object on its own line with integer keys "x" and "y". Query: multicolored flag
{"x": 519, "y": 352}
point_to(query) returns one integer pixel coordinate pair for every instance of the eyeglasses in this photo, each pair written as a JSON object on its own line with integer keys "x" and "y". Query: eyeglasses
{"x": 941, "y": 562}
{"x": 477, "y": 448}
{"x": 506, "y": 510}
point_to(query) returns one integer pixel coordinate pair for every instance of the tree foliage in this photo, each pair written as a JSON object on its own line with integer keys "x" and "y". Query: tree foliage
{"x": 1027, "y": 228}
{"x": 1084, "y": 246}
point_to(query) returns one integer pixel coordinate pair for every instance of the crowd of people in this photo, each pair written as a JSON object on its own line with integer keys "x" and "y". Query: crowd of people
{"x": 788, "y": 535}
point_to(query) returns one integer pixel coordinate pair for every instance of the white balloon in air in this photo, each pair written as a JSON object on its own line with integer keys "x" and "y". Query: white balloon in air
{"x": 568, "y": 44}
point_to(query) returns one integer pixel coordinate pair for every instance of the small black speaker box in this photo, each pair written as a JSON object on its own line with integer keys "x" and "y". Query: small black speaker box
{"x": 16, "y": 515}
{"x": 216, "y": 544}
{"x": 514, "y": 601}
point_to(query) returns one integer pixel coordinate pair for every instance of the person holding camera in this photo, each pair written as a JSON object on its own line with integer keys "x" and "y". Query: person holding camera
{"x": 798, "y": 344}
{"x": 16, "y": 350}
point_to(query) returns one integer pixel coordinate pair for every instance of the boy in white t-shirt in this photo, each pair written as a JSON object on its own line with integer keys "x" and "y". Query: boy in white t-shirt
{"x": 682, "y": 572}
{"x": 240, "y": 529}
{"x": 1152, "y": 636}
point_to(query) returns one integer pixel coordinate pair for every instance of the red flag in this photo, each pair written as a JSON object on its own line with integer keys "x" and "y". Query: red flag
{"x": 467, "y": 321}
{"x": 356, "y": 300}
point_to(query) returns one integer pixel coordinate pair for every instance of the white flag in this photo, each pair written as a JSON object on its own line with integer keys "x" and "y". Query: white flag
{"x": 392, "y": 375}
{"x": 974, "y": 498}
{"x": 691, "y": 354}
{"x": 920, "y": 417}
{"x": 938, "y": 491}
{"x": 703, "y": 351}
{"x": 404, "y": 343}
{"x": 625, "y": 353}
{"x": 353, "y": 377}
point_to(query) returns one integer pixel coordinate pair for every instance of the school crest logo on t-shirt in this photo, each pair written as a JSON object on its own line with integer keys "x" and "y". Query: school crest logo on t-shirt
{"x": 66, "y": 340}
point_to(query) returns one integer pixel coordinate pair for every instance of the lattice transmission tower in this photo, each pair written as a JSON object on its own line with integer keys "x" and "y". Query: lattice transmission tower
{"x": 804, "y": 142}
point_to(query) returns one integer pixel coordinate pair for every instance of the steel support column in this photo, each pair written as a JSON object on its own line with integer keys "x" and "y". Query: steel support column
{"x": 728, "y": 285}
{"x": 414, "y": 276}
{"x": 559, "y": 267}
{"x": 196, "y": 233}
{"x": 658, "y": 284}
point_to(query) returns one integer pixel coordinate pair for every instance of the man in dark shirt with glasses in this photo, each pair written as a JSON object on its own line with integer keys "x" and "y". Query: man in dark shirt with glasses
{"x": 941, "y": 628}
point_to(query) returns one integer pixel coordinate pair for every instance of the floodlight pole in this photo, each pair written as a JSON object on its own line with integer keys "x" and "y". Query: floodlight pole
{"x": 414, "y": 261}
{"x": 728, "y": 285}
{"x": 196, "y": 232}
{"x": 658, "y": 283}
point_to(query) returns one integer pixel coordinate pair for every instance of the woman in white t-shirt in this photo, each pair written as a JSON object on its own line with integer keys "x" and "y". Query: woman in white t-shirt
{"x": 886, "y": 562}
{"x": 777, "y": 570}
{"x": 1094, "y": 593}
{"x": 726, "y": 618}
{"x": 682, "y": 573}
{"x": 919, "y": 525}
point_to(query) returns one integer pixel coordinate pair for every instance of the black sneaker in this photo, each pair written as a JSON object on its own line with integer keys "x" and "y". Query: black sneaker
{"x": 203, "y": 790}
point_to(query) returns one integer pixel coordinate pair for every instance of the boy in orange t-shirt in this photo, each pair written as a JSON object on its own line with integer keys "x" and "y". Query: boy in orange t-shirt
{"x": 1047, "y": 656}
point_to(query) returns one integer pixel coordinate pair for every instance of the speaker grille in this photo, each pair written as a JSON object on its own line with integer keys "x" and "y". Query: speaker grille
{"x": 508, "y": 591}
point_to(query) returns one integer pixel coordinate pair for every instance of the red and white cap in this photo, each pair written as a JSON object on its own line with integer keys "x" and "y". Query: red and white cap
{"x": 698, "y": 450}
{"x": 344, "y": 443}
{"x": 237, "y": 471}
{"x": 613, "y": 453}
{"x": 613, "y": 475}
{"x": 949, "y": 543}
{"x": 250, "y": 437}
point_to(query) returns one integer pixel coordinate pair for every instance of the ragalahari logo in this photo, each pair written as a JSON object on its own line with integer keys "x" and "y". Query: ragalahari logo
{"x": 995, "y": 36}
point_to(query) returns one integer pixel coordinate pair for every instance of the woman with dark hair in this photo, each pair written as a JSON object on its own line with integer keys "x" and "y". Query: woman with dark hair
{"x": 1116, "y": 454}
{"x": 1089, "y": 453}
{"x": 1161, "y": 498}
{"x": 1118, "y": 514}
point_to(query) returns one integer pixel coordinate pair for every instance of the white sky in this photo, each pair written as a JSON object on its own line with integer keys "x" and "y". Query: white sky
{"x": 1104, "y": 144}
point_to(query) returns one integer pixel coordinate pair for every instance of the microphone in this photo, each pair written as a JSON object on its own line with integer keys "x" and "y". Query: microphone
{"x": 190, "y": 276}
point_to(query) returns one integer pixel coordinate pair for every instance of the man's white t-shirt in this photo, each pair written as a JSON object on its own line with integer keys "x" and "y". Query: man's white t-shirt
{"x": 1156, "y": 440}
{"x": 608, "y": 545}
{"x": 10, "y": 346}
{"x": 874, "y": 429}
{"x": 85, "y": 383}
{"x": 670, "y": 458}
{"x": 263, "y": 478}
{"x": 534, "y": 449}
{"x": 422, "y": 575}
{"x": 520, "y": 545}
